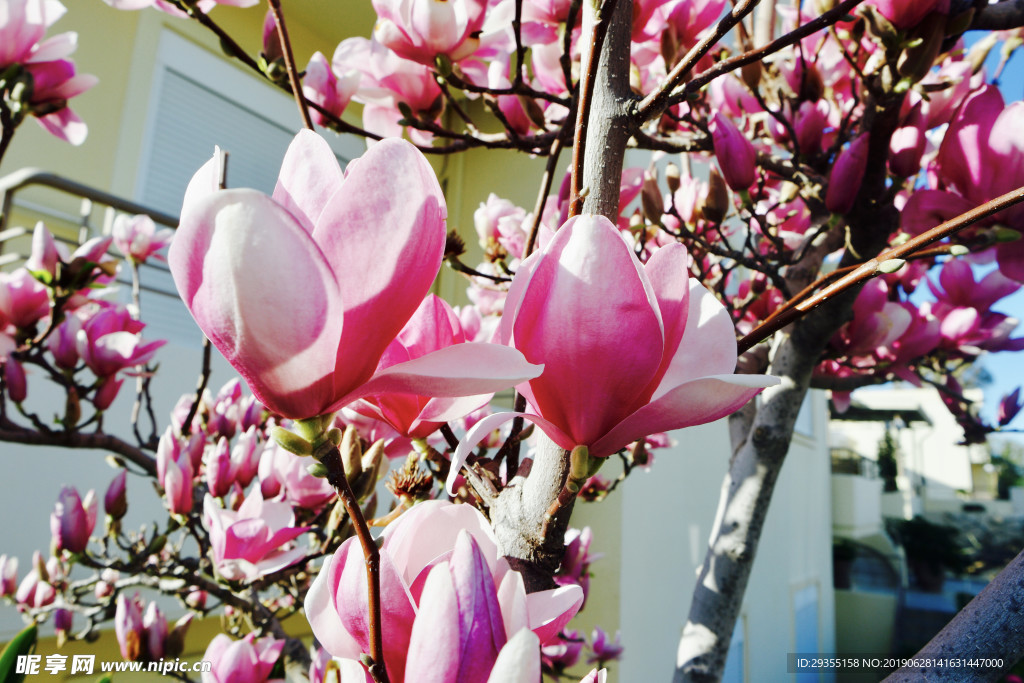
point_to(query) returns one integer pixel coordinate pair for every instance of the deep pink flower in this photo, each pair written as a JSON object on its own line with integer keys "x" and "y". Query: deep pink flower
{"x": 234, "y": 661}
{"x": 303, "y": 292}
{"x": 908, "y": 13}
{"x": 432, "y": 327}
{"x": 14, "y": 377}
{"x": 1009, "y": 406}
{"x": 421, "y": 30}
{"x": 115, "y": 501}
{"x": 735, "y": 153}
{"x": 247, "y": 543}
{"x": 451, "y": 603}
{"x": 22, "y": 26}
{"x": 629, "y": 350}
{"x": 847, "y": 175}
{"x": 604, "y": 650}
{"x": 36, "y": 590}
{"x": 53, "y": 84}
{"x": 73, "y": 519}
{"x": 109, "y": 342}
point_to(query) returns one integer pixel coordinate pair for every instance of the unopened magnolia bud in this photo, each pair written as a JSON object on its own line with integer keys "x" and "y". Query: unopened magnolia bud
{"x": 291, "y": 442}
{"x": 672, "y": 177}
{"x": 650, "y": 199}
{"x": 1004, "y": 234}
{"x": 715, "y": 205}
{"x": 174, "y": 645}
{"x": 351, "y": 453}
{"x": 317, "y": 469}
{"x": 959, "y": 250}
{"x": 115, "y": 502}
{"x": 890, "y": 265}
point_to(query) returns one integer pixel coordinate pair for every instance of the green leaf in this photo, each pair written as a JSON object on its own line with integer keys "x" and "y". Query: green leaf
{"x": 23, "y": 644}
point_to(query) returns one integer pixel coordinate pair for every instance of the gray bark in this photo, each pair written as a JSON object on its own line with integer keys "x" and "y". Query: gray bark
{"x": 526, "y": 538}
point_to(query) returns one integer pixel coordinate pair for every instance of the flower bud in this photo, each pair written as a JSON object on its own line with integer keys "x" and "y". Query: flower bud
{"x": 715, "y": 204}
{"x": 44, "y": 256}
{"x": 155, "y": 625}
{"x": 8, "y": 575}
{"x": 128, "y": 627}
{"x": 847, "y": 175}
{"x": 14, "y": 377}
{"x": 735, "y": 153}
{"x": 351, "y": 453}
{"x": 115, "y": 501}
{"x": 218, "y": 469}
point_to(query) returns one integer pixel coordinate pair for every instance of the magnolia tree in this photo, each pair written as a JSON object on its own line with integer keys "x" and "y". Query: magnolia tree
{"x": 840, "y": 209}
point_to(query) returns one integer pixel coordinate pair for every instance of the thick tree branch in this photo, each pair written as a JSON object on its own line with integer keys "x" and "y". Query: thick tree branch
{"x": 13, "y": 433}
{"x": 990, "y": 626}
{"x": 1002, "y": 16}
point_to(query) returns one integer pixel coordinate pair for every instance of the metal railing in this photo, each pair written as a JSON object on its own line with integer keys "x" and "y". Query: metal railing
{"x": 90, "y": 197}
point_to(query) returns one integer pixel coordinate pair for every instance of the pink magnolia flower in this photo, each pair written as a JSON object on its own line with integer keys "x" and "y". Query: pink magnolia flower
{"x": 177, "y": 483}
{"x": 36, "y": 589}
{"x": 14, "y": 377}
{"x": 735, "y": 153}
{"x": 323, "y": 86}
{"x": 24, "y": 301}
{"x": 432, "y": 327}
{"x": 138, "y": 238}
{"x": 109, "y": 341}
{"x": 128, "y": 626}
{"x": 421, "y": 30}
{"x": 247, "y": 543}
{"x": 8, "y": 575}
{"x": 1009, "y": 406}
{"x": 53, "y": 84}
{"x": 604, "y": 649}
{"x": 908, "y": 13}
{"x": 387, "y": 82}
{"x": 629, "y": 350}
{"x": 303, "y": 291}
{"x": 847, "y": 175}
{"x": 452, "y": 605}
{"x": 22, "y": 27}
{"x": 115, "y": 501}
{"x": 249, "y": 659}
{"x": 73, "y": 519}
{"x": 286, "y": 475}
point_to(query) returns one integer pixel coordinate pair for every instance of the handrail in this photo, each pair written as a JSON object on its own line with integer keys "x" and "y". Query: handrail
{"x": 25, "y": 177}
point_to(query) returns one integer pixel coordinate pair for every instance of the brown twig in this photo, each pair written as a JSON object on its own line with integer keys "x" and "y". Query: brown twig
{"x": 602, "y": 19}
{"x": 289, "y": 62}
{"x": 542, "y": 196}
{"x": 869, "y": 269}
{"x": 330, "y": 457}
{"x": 656, "y": 101}
{"x": 12, "y": 432}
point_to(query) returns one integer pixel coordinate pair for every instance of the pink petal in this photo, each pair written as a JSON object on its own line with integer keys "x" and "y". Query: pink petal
{"x": 481, "y": 429}
{"x": 228, "y": 243}
{"x": 590, "y": 316}
{"x": 429, "y": 530}
{"x": 518, "y": 661}
{"x": 310, "y": 175}
{"x": 551, "y": 610}
{"x": 323, "y": 616}
{"x": 466, "y": 369}
{"x": 434, "y": 643}
{"x": 692, "y": 403}
{"x": 397, "y": 609}
{"x": 481, "y": 629}
{"x": 392, "y": 208}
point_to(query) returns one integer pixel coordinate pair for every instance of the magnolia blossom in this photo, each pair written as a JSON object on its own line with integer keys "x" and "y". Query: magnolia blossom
{"x": 453, "y": 609}
{"x": 432, "y": 327}
{"x": 138, "y": 238}
{"x": 54, "y": 81}
{"x": 304, "y": 291}
{"x": 249, "y": 659}
{"x": 24, "y": 301}
{"x": 322, "y": 86}
{"x": 286, "y": 475}
{"x": 73, "y": 519}
{"x": 421, "y": 30}
{"x": 247, "y": 543}
{"x": 629, "y": 350}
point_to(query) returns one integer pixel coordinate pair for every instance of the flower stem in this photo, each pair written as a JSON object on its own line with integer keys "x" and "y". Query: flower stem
{"x": 289, "y": 63}
{"x": 329, "y": 455}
